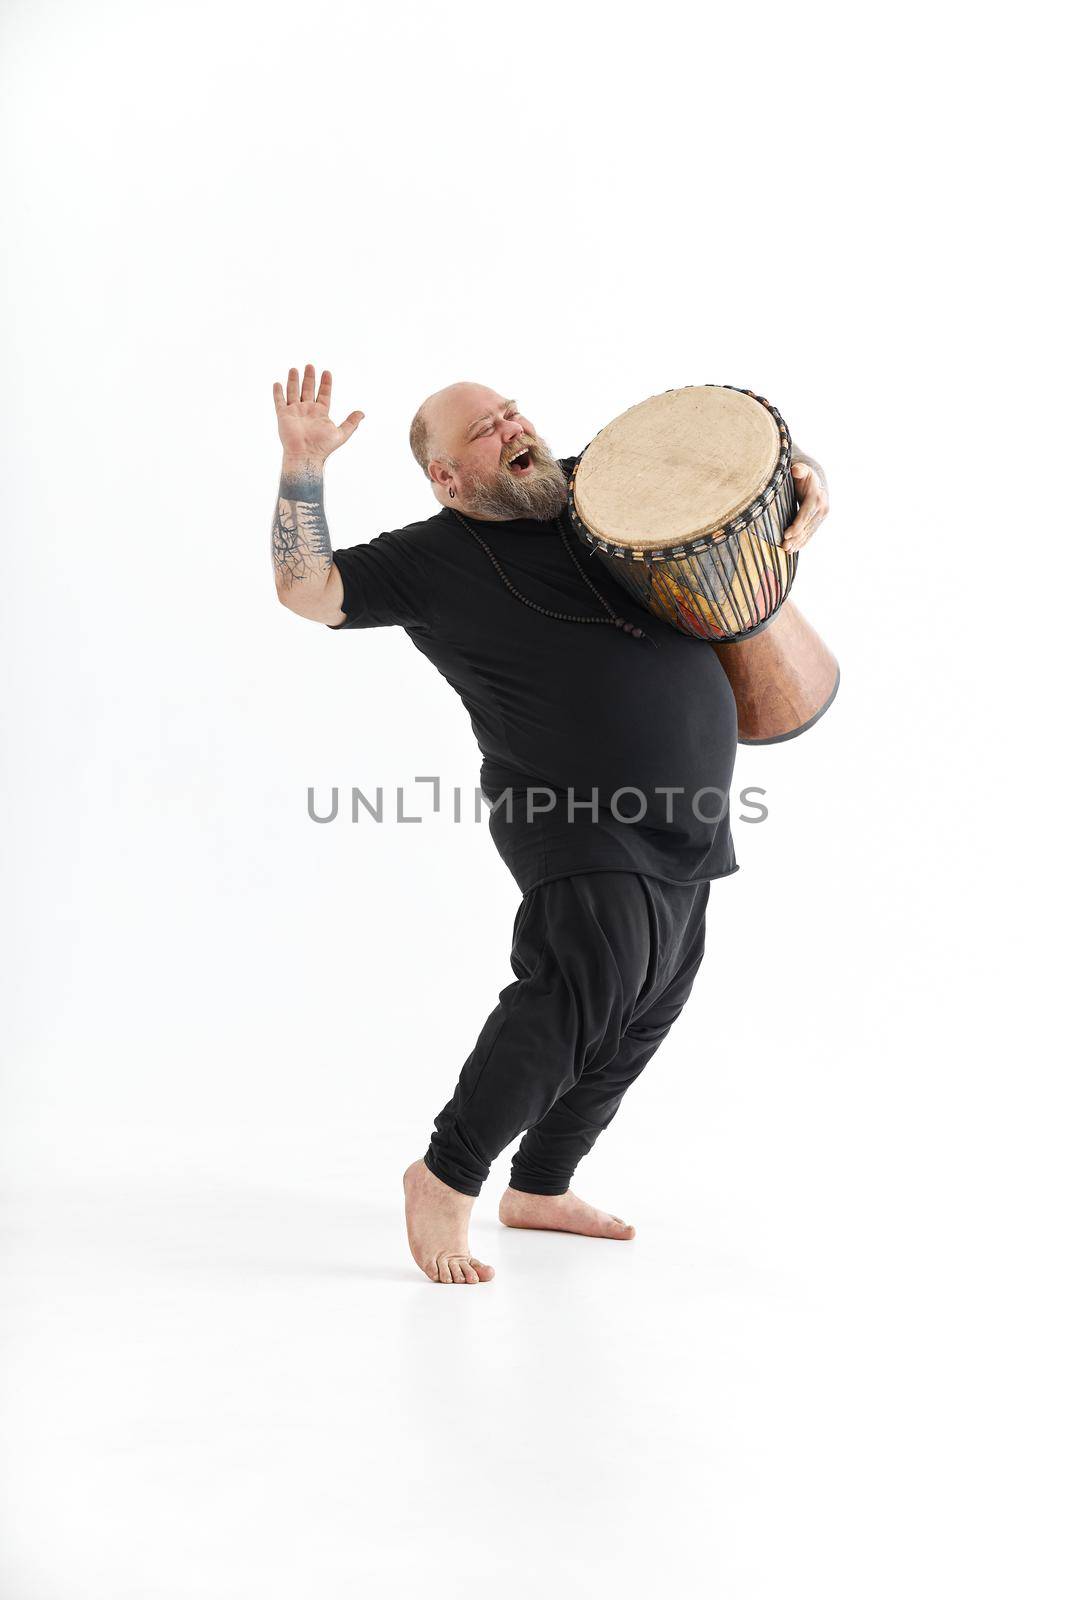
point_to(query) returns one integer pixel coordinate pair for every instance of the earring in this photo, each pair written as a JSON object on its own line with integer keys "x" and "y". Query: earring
{"x": 451, "y": 494}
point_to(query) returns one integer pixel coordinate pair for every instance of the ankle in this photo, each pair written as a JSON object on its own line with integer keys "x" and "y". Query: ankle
{"x": 530, "y": 1195}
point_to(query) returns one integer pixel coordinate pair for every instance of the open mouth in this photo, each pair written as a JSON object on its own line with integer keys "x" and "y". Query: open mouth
{"x": 520, "y": 463}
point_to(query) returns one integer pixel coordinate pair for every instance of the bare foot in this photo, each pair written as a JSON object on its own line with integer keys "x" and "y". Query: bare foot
{"x": 564, "y": 1213}
{"x": 437, "y": 1218}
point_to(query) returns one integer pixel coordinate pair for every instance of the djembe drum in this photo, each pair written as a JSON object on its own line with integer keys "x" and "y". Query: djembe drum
{"x": 687, "y": 496}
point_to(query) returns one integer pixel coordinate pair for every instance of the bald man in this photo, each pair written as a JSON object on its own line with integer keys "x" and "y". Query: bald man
{"x": 607, "y": 741}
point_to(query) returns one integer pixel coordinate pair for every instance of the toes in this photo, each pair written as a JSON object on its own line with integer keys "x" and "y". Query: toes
{"x": 458, "y": 1269}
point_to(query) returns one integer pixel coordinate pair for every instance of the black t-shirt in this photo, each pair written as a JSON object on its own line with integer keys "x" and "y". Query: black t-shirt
{"x": 566, "y": 715}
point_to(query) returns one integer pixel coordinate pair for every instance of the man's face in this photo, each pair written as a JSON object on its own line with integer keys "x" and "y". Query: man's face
{"x": 494, "y": 458}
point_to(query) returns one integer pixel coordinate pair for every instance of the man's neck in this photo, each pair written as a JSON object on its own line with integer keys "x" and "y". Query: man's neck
{"x": 518, "y": 516}
{"x": 473, "y": 515}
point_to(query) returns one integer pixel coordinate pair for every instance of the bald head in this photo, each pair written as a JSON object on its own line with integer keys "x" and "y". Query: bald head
{"x": 434, "y": 429}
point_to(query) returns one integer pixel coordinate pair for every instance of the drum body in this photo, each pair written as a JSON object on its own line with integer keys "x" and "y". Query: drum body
{"x": 687, "y": 497}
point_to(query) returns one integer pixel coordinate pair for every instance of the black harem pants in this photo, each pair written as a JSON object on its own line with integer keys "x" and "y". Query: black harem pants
{"x": 604, "y": 963}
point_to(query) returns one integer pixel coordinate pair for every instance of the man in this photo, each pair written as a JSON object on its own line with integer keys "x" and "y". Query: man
{"x": 603, "y": 731}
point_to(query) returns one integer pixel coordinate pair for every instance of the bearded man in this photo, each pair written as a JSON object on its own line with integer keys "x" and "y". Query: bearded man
{"x": 602, "y": 730}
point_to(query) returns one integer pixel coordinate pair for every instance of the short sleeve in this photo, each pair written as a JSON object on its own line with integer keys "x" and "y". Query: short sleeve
{"x": 385, "y": 584}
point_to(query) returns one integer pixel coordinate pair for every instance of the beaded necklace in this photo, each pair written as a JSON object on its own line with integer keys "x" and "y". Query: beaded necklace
{"x": 612, "y": 620}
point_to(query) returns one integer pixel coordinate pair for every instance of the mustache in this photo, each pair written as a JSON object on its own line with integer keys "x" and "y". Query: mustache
{"x": 537, "y": 448}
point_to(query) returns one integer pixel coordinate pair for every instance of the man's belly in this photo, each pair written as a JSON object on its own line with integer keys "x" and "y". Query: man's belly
{"x": 672, "y": 727}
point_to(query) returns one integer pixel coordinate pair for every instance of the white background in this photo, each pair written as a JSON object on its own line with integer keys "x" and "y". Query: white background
{"x": 831, "y": 1362}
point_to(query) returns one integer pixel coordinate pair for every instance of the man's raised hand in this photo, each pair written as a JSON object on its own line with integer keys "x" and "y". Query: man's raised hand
{"x": 304, "y": 425}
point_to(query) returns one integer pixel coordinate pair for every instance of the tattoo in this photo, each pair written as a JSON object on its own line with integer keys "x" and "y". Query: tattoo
{"x": 300, "y": 538}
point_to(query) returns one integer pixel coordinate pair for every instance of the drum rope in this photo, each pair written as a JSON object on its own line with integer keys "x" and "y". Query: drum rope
{"x": 612, "y": 620}
{"x": 724, "y": 582}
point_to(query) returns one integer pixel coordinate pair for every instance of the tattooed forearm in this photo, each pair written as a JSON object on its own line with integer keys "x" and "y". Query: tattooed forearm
{"x": 300, "y": 539}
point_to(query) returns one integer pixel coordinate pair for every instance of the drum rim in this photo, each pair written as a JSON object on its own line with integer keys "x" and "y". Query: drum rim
{"x": 715, "y": 533}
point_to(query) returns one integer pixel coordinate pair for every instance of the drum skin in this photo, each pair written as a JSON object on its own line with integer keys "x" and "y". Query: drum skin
{"x": 686, "y": 497}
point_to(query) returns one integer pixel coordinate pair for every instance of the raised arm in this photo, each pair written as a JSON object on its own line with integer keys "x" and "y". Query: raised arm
{"x": 305, "y": 577}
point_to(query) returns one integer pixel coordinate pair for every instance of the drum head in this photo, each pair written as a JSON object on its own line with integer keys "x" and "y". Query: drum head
{"x": 678, "y": 465}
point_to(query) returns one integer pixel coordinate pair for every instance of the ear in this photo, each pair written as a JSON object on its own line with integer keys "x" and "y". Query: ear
{"x": 440, "y": 476}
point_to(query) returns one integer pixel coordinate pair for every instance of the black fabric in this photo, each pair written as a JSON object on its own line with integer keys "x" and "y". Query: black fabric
{"x": 604, "y": 963}
{"x": 561, "y": 709}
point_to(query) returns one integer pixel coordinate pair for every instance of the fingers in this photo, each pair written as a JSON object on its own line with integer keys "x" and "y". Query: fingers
{"x": 812, "y": 506}
{"x": 305, "y": 392}
{"x": 348, "y": 427}
{"x": 798, "y": 534}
